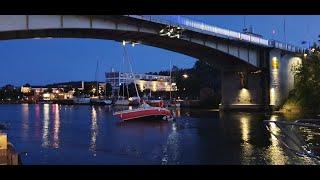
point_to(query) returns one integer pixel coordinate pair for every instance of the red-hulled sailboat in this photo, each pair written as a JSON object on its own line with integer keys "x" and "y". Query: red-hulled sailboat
{"x": 144, "y": 111}
{"x": 155, "y": 103}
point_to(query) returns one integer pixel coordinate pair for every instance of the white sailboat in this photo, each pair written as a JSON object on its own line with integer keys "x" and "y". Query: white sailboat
{"x": 96, "y": 100}
{"x": 81, "y": 100}
{"x": 122, "y": 100}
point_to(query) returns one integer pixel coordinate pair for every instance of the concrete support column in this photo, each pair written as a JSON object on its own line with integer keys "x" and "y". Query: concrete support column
{"x": 281, "y": 76}
{"x": 242, "y": 90}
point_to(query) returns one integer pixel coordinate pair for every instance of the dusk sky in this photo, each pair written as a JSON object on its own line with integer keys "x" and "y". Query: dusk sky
{"x": 42, "y": 61}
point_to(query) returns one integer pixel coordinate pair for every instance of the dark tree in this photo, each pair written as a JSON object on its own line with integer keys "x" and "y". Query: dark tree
{"x": 49, "y": 90}
{"x": 67, "y": 89}
{"x": 10, "y": 93}
{"x": 131, "y": 89}
{"x": 27, "y": 85}
{"x": 306, "y": 92}
{"x": 77, "y": 92}
{"x": 108, "y": 89}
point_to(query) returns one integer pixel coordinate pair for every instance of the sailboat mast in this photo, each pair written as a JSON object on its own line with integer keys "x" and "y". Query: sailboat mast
{"x": 170, "y": 79}
{"x": 130, "y": 66}
{"x": 97, "y": 84}
{"x": 284, "y": 29}
{"x": 120, "y": 75}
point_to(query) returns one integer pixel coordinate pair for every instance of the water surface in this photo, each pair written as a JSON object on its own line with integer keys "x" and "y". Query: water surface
{"x": 58, "y": 134}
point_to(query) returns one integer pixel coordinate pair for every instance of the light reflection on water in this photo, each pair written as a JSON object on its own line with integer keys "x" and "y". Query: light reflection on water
{"x": 245, "y": 130}
{"x": 171, "y": 149}
{"x": 274, "y": 152}
{"x": 56, "y": 122}
{"x": 51, "y": 115}
{"x": 25, "y": 120}
{"x": 45, "y": 128}
{"x": 94, "y": 130}
{"x": 196, "y": 137}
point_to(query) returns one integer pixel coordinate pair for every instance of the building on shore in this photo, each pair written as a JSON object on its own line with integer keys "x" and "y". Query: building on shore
{"x": 144, "y": 81}
{"x": 53, "y": 87}
{"x": 57, "y": 91}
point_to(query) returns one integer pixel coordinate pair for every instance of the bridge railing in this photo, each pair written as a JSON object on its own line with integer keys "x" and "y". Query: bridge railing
{"x": 285, "y": 46}
{"x": 186, "y": 23}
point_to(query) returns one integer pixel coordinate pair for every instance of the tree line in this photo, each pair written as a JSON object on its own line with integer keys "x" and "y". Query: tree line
{"x": 306, "y": 94}
{"x": 201, "y": 82}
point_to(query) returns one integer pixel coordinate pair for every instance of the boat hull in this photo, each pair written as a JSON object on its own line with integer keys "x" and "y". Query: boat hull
{"x": 121, "y": 103}
{"x": 101, "y": 102}
{"x": 156, "y": 103}
{"x": 139, "y": 114}
{"x": 82, "y": 101}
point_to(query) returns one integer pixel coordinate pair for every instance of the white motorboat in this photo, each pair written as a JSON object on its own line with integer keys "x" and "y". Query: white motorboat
{"x": 122, "y": 102}
{"x": 97, "y": 101}
{"x": 81, "y": 100}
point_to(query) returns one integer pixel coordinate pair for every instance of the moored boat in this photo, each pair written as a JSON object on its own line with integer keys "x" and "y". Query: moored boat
{"x": 100, "y": 102}
{"x": 81, "y": 100}
{"x": 144, "y": 111}
{"x": 174, "y": 104}
{"x": 134, "y": 101}
{"x": 121, "y": 102}
{"x": 155, "y": 103}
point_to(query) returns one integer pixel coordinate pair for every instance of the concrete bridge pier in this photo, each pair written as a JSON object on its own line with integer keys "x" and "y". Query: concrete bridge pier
{"x": 243, "y": 90}
{"x": 282, "y": 70}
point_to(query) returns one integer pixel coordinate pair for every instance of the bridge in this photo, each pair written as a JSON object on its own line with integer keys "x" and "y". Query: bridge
{"x": 256, "y": 72}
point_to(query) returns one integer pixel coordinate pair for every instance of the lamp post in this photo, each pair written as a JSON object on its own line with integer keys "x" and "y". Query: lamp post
{"x": 133, "y": 43}
{"x": 185, "y": 76}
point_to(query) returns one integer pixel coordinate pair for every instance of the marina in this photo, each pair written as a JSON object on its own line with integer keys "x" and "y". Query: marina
{"x": 82, "y": 134}
{"x": 165, "y": 90}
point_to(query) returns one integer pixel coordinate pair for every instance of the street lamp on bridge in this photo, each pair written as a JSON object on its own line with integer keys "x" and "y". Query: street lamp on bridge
{"x": 171, "y": 31}
{"x": 133, "y": 43}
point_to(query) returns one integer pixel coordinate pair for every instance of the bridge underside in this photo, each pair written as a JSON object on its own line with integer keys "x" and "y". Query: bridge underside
{"x": 212, "y": 56}
{"x": 231, "y": 58}
{"x": 222, "y": 61}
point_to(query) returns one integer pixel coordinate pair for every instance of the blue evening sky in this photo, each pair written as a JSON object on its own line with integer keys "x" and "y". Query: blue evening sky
{"x": 42, "y": 61}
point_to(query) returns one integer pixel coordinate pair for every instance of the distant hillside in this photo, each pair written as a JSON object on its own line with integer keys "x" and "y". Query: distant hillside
{"x": 71, "y": 83}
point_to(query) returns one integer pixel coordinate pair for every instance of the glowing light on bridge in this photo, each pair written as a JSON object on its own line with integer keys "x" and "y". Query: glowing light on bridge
{"x": 275, "y": 81}
{"x": 244, "y": 96}
{"x": 272, "y": 96}
{"x": 171, "y": 32}
{"x": 275, "y": 63}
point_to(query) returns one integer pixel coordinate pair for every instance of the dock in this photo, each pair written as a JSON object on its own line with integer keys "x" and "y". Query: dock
{"x": 8, "y": 155}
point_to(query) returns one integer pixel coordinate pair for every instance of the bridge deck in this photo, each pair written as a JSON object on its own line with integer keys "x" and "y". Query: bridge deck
{"x": 175, "y": 20}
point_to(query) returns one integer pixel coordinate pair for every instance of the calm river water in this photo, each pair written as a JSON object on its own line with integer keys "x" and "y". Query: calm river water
{"x": 58, "y": 134}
